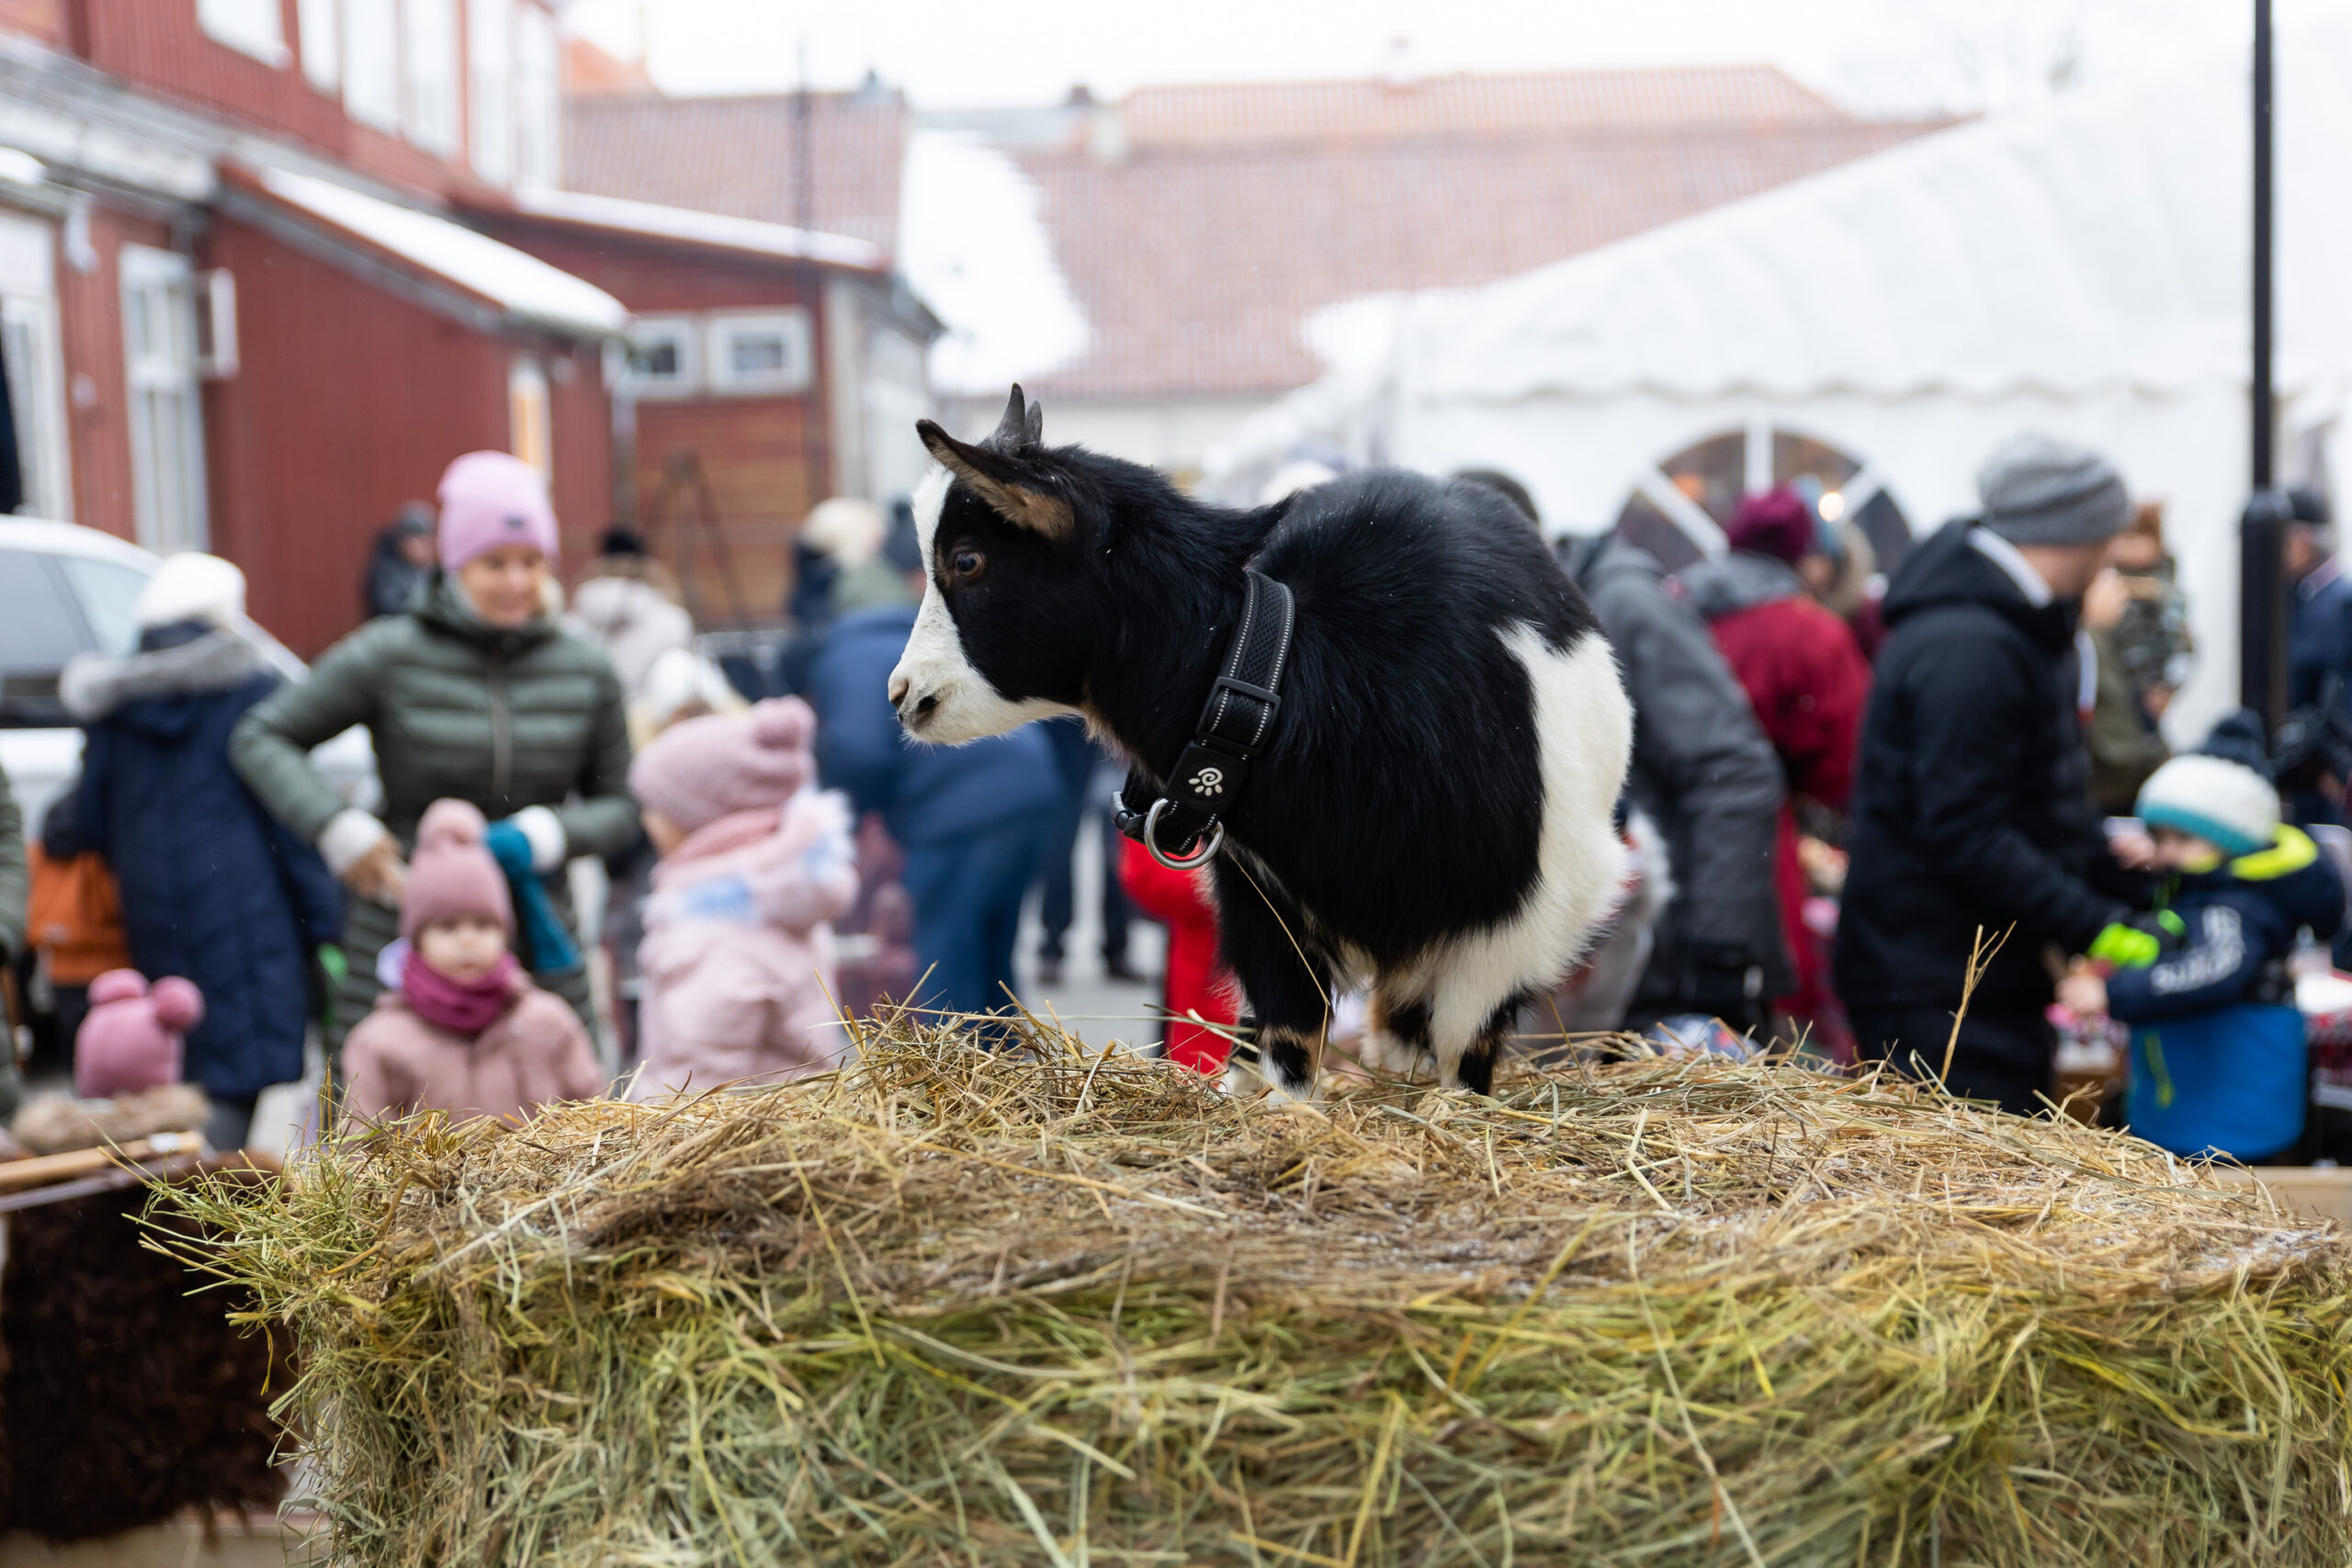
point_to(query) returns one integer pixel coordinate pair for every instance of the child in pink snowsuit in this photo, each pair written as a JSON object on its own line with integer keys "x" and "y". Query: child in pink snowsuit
{"x": 738, "y": 956}
{"x": 465, "y": 1030}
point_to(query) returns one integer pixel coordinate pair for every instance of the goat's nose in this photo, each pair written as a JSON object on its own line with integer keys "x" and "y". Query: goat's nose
{"x": 898, "y": 686}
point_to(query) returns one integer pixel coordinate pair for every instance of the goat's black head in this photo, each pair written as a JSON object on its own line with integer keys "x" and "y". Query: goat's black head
{"x": 1009, "y": 602}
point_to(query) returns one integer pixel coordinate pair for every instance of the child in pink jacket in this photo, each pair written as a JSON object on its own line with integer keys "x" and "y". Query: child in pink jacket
{"x": 465, "y": 1030}
{"x": 738, "y": 956}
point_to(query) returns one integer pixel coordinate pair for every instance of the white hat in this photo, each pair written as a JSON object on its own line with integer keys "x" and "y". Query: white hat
{"x": 845, "y": 528}
{"x": 677, "y": 678}
{"x": 192, "y": 586}
{"x": 2226, "y": 803}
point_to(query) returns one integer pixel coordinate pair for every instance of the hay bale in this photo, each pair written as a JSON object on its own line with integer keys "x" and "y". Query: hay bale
{"x": 1058, "y": 1307}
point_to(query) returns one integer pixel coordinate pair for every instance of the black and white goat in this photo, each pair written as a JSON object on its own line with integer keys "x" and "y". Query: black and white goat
{"x": 1432, "y": 812}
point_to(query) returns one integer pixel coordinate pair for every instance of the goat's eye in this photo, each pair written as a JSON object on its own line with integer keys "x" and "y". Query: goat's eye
{"x": 965, "y": 564}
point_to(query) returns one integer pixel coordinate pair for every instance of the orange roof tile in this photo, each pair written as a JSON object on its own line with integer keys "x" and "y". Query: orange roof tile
{"x": 1261, "y": 113}
{"x": 1237, "y": 211}
{"x": 736, "y": 156}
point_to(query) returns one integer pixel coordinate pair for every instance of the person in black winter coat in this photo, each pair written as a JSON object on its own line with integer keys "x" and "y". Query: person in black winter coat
{"x": 214, "y": 887}
{"x": 1972, "y": 800}
{"x": 400, "y": 561}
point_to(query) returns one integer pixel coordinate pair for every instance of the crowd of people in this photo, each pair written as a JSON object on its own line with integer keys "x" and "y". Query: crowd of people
{"x": 1874, "y": 818}
{"x": 1896, "y": 826}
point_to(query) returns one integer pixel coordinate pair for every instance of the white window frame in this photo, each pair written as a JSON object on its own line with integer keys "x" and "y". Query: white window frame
{"x": 429, "y": 84}
{"x": 797, "y": 372}
{"x": 33, "y": 345}
{"x": 319, "y": 24}
{"x": 165, "y": 413}
{"x": 371, "y": 62}
{"x": 539, "y": 100}
{"x": 490, "y": 92}
{"x": 252, "y": 28}
{"x": 531, "y": 416}
{"x": 680, "y": 333}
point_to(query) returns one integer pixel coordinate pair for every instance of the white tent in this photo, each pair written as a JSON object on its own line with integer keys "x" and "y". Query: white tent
{"x": 2082, "y": 268}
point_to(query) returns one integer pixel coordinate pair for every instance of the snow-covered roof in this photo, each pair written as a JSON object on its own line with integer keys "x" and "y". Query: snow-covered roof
{"x": 973, "y": 243}
{"x": 748, "y": 234}
{"x": 522, "y": 286}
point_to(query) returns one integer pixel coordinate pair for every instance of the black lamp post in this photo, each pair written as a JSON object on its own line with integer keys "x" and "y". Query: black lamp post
{"x": 2262, "y": 534}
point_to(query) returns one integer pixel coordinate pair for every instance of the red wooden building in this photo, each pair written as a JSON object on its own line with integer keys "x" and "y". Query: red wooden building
{"x": 782, "y": 366}
{"x": 237, "y": 312}
{"x": 753, "y": 239}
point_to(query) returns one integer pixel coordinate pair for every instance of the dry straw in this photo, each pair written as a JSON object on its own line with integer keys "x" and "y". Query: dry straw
{"x": 1057, "y": 1306}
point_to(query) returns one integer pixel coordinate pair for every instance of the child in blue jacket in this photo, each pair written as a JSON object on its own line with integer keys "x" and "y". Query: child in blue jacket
{"x": 2217, "y": 1046}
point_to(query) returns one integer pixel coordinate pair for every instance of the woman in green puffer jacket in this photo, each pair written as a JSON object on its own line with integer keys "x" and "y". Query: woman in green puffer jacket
{"x": 474, "y": 694}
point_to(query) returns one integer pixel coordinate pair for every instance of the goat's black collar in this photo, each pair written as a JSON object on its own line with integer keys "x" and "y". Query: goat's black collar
{"x": 1178, "y": 822}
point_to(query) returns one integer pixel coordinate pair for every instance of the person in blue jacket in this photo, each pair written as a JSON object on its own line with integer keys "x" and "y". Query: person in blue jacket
{"x": 214, "y": 887}
{"x": 2217, "y": 1045}
{"x": 971, "y": 818}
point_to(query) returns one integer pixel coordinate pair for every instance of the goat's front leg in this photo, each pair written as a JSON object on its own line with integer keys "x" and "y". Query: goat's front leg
{"x": 1285, "y": 982}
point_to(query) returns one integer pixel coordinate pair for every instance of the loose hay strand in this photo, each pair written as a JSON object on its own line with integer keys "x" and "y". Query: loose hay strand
{"x": 1045, "y": 1304}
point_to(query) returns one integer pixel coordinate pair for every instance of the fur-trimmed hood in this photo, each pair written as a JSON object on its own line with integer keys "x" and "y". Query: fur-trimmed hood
{"x": 96, "y": 687}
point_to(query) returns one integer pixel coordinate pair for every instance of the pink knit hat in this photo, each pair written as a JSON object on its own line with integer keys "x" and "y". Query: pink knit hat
{"x": 132, "y": 1039}
{"x": 489, "y": 499}
{"x": 451, "y": 874}
{"x": 711, "y": 767}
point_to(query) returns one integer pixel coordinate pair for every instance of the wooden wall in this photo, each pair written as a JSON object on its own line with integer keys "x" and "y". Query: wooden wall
{"x": 46, "y": 22}
{"x": 348, "y": 402}
{"x": 768, "y": 463}
{"x": 158, "y": 45}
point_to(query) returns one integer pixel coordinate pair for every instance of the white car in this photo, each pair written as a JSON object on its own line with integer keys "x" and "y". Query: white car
{"x": 66, "y": 589}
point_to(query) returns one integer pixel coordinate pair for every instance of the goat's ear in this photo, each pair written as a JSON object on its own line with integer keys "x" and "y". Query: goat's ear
{"x": 1014, "y": 489}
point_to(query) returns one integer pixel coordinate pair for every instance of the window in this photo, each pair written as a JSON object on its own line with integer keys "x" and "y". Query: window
{"x": 528, "y": 416}
{"x": 31, "y": 349}
{"x": 538, "y": 107}
{"x": 38, "y": 635}
{"x": 662, "y": 361}
{"x": 249, "y": 27}
{"x": 371, "y": 62}
{"x": 108, "y": 594}
{"x": 321, "y": 36}
{"x": 490, "y": 64}
{"x": 429, "y": 37}
{"x": 765, "y": 352}
{"x": 166, "y": 424}
{"x": 1678, "y": 509}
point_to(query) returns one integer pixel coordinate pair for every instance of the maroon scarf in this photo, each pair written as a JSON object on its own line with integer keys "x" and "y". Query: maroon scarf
{"x": 461, "y": 1009}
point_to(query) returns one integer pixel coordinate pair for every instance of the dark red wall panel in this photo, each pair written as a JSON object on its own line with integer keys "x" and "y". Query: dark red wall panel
{"x": 349, "y": 401}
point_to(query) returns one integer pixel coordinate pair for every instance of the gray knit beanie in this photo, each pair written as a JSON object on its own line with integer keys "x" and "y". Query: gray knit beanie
{"x": 2037, "y": 490}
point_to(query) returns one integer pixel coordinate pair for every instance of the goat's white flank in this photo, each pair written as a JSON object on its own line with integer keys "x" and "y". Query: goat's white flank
{"x": 1584, "y": 734}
